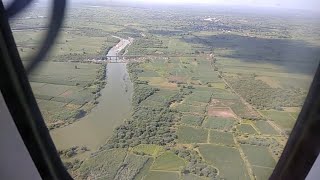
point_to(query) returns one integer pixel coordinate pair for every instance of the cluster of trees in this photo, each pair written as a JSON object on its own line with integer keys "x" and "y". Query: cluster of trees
{"x": 262, "y": 96}
{"x": 72, "y": 165}
{"x": 99, "y": 83}
{"x": 195, "y": 163}
{"x": 71, "y": 152}
{"x": 148, "y": 124}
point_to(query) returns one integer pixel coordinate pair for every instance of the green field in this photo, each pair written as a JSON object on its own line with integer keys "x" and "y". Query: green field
{"x": 149, "y": 149}
{"x": 66, "y": 93}
{"x": 219, "y": 123}
{"x": 200, "y": 96}
{"x": 168, "y": 161}
{"x": 192, "y": 177}
{"x": 134, "y": 164}
{"x": 226, "y": 159}
{"x": 192, "y": 120}
{"x": 246, "y": 128}
{"x": 241, "y": 109}
{"x": 104, "y": 165}
{"x": 144, "y": 171}
{"x": 283, "y": 119}
{"x": 190, "y": 109}
{"x": 192, "y": 135}
{"x": 262, "y": 173}
{"x": 221, "y": 138}
{"x": 259, "y": 156}
{"x": 265, "y": 128}
{"x": 159, "y": 175}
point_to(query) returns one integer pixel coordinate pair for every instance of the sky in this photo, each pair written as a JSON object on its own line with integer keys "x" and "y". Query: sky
{"x": 289, "y": 4}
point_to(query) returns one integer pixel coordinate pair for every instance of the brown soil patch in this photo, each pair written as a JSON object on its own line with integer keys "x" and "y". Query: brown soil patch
{"x": 221, "y": 112}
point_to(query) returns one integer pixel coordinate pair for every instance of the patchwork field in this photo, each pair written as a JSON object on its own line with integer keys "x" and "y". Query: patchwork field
{"x": 282, "y": 119}
{"x": 265, "y": 128}
{"x": 148, "y": 149}
{"x": 227, "y": 160}
{"x": 246, "y": 128}
{"x": 187, "y": 135}
{"x": 66, "y": 91}
{"x": 258, "y": 156}
{"x": 261, "y": 173}
{"x": 168, "y": 161}
{"x": 224, "y": 124}
{"x": 222, "y": 138}
{"x": 105, "y": 165}
{"x": 192, "y": 120}
{"x": 159, "y": 175}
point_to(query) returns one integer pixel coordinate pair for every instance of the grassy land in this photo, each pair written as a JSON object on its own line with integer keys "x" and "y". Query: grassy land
{"x": 168, "y": 162}
{"x": 132, "y": 166}
{"x": 246, "y": 128}
{"x": 258, "y": 156}
{"x": 224, "y": 124}
{"x": 283, "y": 119}
{"x": 262, "y": 173}
{"x": 149, "y": 149}
{"x": 265, "y": 128}
{"x": 104, "y": 165}
{"x": 222, "y": 138}
{"x": 227, "y": 160}
{"x": 192, "y": 120}
{"x": 66, "y": 91}
{"x": 191, "y": 135}
{"x": 159, "y": 175}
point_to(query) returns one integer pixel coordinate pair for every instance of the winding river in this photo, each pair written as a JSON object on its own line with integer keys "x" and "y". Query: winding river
{"x": 114, "y": 107}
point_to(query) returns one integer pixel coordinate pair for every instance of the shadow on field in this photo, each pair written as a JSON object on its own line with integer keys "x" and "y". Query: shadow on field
{"x": 295, "y": 56}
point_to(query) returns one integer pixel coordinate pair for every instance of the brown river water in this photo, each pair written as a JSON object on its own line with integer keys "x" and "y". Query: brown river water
{"x": 114, "y": 107}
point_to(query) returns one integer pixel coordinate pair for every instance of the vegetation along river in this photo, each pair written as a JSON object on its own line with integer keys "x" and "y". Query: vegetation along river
{"x": 114, "y": 107}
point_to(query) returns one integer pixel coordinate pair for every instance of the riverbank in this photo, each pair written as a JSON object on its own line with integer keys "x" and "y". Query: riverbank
{"x": 114, "y": 107}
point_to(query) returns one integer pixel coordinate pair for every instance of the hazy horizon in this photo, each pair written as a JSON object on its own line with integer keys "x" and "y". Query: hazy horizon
{"x": 277, "y": 4}
{"x": 285, "y": 4}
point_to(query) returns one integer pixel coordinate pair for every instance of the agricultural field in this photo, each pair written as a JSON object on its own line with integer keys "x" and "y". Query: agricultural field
{"x": 223, "y": 124}
{"x": 246, "y": 129}
{"x": 148, "y": 149}
{"x": 265, "y": 128}
{"x": 192, "y": 120}
{"x": 191, "y": 135}
{"x": 222, "y": 138}
{"x": 65, "y": 93}
{"x": 283, "y": 119}
{"x": 133, "y": 165}
{"x": 104, "y": 165}
{"x": 258, "y": 156}
{"x": 168, "y": 161}
{"x": 159, "y": 175}
{"x": 215, "y": 93}
{"x": 227, "y": 160}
